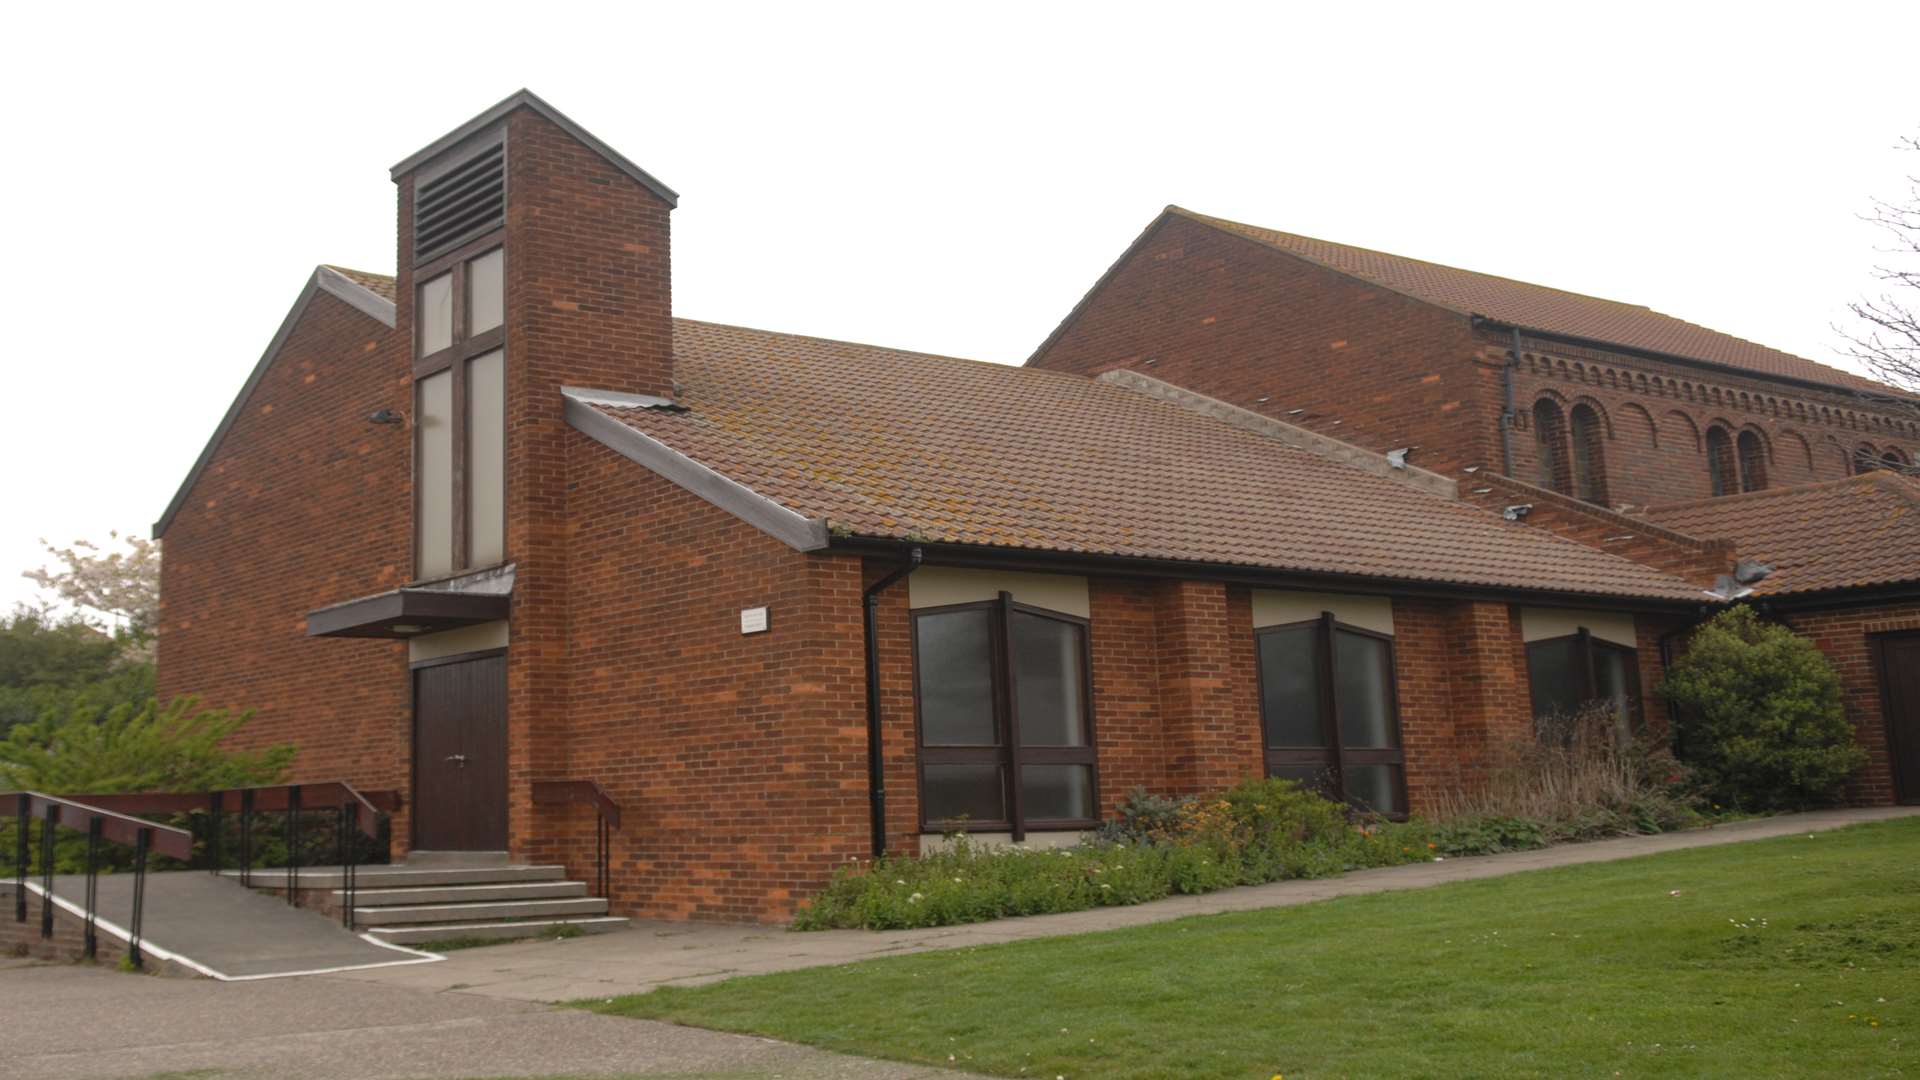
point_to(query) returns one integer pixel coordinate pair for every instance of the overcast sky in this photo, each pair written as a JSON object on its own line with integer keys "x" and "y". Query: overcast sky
{"x": 950, "y": 183}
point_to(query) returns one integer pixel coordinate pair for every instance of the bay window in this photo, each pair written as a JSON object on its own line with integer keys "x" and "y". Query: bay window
{"x": 459, "y": 378}
{"x": 1002, "y": 695}
{"x": 1568, "y": 673}
{"x": 1328, "y": 712}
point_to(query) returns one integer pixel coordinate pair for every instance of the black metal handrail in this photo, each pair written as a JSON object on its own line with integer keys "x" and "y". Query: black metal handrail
{"x": 100, "y": 824}
{"x": 607, "y": 818}
{"x": 358, "y": 812}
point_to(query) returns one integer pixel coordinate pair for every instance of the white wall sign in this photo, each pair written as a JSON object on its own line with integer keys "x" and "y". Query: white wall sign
{"x": 753, "y": 620}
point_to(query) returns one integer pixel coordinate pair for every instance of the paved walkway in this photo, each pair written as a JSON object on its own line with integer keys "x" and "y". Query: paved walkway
{"x": 668, "y": 954}
{"x": 68, "y": 1022}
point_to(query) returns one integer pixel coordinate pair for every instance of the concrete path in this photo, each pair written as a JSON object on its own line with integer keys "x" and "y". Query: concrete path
{"x": 668, "y": 954}
{"x": 218, "y": 927}
{"x": 65, "y": 1022}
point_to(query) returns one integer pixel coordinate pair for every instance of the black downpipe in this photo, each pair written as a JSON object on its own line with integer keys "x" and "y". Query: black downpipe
{"x": 1507, "y": 415}
{"x": 876, "y": 766}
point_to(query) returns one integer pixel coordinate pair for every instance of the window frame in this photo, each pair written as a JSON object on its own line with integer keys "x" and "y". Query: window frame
{"x": 1553, "y": 447}
{"x": 1589, "y": 673}
{"x": 1750, "y": 453}
{"x": 1587, "y": 450}
{"x": 1723, "y": 462}
{"x": 1009, "y": 753}
{"x": 1336, "y": 756}
{"x": 454, "y": 359}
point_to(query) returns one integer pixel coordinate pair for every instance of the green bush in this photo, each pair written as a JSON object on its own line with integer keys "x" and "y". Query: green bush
{"x": 128, "y": 748}
{"x": 1259, "y": 831}
{"x": 1763, "y": 724}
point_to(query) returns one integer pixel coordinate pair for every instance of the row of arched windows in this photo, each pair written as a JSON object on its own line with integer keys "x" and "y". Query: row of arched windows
{"x": 1571, "y": 450}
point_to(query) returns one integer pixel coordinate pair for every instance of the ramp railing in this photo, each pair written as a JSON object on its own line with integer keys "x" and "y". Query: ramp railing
{"x": 588, "y": 793}
{"x": 99, "y": 824}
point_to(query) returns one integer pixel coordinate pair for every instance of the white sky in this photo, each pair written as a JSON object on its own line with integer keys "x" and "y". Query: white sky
{"x": 951, "y": 183}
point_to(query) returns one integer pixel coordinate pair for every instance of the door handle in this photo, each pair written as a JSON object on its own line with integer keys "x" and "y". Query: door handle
{"x": 458, "y": 759}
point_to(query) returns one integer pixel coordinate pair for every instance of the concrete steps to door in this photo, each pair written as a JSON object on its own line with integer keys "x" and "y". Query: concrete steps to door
{"x": 474, "y": 911}
{"x": 498, "y": 931}
{"x": 441, "y": 898}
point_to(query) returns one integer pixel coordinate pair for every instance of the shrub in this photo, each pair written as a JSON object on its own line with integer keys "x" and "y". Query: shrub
{"x": 1259, "y": 831}
{"x": 128, "y": 748}
{"x": 1763, "y": 722}
{"x": 1579, "y": 781}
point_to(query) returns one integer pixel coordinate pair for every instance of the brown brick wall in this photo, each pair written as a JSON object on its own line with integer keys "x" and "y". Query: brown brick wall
{"x": 1234, "y": 320}
{"x": 1656, "y": 416}
{"x": 1230, "y": 318}
{"x": 1844, "y": 635}
{"x": 303, "y": 504}
{"x": 739, "y": 761}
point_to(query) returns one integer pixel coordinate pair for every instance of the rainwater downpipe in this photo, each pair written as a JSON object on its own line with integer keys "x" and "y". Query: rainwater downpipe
{"x": 876, "y": 765}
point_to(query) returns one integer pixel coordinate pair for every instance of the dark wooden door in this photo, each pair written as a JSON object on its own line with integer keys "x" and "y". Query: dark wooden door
{"x": 460, "y": 756}
{"x": 1900, "y": 689}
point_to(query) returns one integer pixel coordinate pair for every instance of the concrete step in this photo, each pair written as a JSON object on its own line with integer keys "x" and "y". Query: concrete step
{"x": 380, "y": 877}
{"x": 411, "y": 896}
{"x": 499, "y": 931}
{"x": 481, "y": 911}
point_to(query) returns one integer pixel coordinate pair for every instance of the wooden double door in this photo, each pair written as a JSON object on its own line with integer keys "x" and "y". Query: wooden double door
{"x": 1899, "y": 664}
{"x": 460, "y": 755}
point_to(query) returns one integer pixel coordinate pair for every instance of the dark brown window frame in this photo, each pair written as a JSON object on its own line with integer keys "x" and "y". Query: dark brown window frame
{"x": 1589, "y": 672}
{"x": 1551, "y": 444}
{"x": 1750, "y": 451}
{"x": 1335, "y": 755}
{"x": 454, "y": 358}
{"x": 1587, "y": 443}
{"x": 1723, "y": 465}
{"x": 1010, "y": 754}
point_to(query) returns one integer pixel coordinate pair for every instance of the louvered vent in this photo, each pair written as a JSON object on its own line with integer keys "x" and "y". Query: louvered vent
{"x": 463, "y": 203}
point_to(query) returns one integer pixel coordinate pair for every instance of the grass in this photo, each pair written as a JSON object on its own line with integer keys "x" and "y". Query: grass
{"x": 1797, "y": 956}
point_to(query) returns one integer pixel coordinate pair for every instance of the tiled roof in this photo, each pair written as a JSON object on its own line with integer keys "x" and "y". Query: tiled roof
{"x": 1864, "y": 530}
{"x": 1552, "y": 310}
{"x": 905, "y": 445}
{"x": 379, "y": 284}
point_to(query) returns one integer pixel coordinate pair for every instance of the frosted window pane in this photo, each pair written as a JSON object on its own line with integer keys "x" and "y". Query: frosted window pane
{"x": 486, "y": 459}
{"x": 1363, "y": 689}
{"x": 433, "y": 416}
{"x": 964, "y": 792}
{"x": 1048, "y": 687}
{"x": 1290, "y": 688}
{"x": 434, "y": 314}
{"x": 485, "y": 292}
{"x": 1056, "y": 792}
{"x": 1375, "y": 788}
{"x": 956, "y": 679}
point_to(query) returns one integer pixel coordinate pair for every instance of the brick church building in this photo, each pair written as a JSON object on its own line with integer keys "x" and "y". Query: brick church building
{"x": 1261, "y": 505}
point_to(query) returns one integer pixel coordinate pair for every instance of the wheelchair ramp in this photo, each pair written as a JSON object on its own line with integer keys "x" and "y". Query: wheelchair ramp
{"x": 220, "y": 928}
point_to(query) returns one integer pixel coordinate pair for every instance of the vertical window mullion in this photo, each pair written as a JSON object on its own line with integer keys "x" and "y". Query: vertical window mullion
{"x": 1003, "y": 660}
{"x": 460, "y": 510}
{"x": 1329, "y": 710}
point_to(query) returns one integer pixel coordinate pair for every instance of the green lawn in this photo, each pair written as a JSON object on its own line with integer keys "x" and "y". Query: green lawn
{"x": 1791, "y": 957}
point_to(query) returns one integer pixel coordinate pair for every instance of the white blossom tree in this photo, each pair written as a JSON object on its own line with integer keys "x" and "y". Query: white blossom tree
{"x": 116, "y": 587}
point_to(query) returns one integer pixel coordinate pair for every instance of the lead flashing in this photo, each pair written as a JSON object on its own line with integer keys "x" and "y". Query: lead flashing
{"x": 1297, "y": 437}
{"x": 530, "y": 100}
{"x": 619, "y": 399}
{"x": 355, "y": 295}
{"x": 793, "y": 529}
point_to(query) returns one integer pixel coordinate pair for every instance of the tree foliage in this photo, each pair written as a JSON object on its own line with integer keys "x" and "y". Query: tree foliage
{"x": 120, "y": 587}
{"x": 136, "y": 748}
{"x": 1887, "y": 336}
{"x": 52, "y": 666}
{"x": 1762, "y": 719}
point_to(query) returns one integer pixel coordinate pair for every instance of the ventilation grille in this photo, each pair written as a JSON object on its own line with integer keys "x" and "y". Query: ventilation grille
{"x": 465, "y": 202}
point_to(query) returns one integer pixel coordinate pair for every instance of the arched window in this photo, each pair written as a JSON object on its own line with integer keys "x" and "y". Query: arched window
{"x": 1865, "y": 459}
{"x": 1721, "y": 468}
{"x": 1894, "y": 460}
{"x": 1589, "y": 443}
{"x": 1550, "y": 437}
{"x": 1753, "y": 462}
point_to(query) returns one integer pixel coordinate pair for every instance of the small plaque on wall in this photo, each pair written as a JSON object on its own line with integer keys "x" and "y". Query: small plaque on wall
{"x": 753, "y": 620}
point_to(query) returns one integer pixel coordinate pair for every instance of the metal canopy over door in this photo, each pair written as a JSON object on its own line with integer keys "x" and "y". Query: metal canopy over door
{"x": 1900, "y": 689}
{"x": 460, "y": 755}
